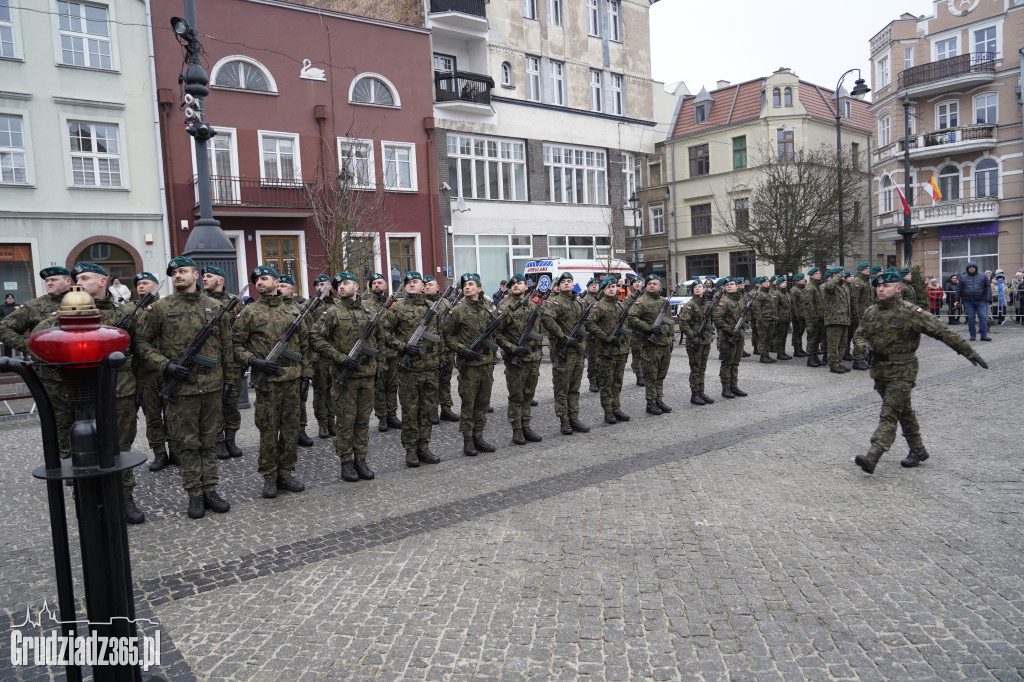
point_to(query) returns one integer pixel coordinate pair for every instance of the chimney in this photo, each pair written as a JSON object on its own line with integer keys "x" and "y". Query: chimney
{"x": 722, "y": 84}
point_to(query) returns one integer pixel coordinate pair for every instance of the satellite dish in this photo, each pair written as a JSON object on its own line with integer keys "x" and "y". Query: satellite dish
{"x": 460, "y": 204}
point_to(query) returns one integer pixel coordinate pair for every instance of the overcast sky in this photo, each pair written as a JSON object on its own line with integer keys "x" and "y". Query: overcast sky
{"x": 700, "y": 42}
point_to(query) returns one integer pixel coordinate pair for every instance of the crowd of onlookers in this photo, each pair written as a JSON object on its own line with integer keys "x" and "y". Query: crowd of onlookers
{"x": 1004, "y": 299}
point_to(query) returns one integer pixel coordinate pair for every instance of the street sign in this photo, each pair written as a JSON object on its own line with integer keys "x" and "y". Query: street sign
{"x": 544, "y": 283}
{"x": 931, "y": 253}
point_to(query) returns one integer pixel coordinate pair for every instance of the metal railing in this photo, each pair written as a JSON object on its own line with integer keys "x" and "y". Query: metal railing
{"x": 234, "y": 190}
{"x": 477, "y": 8}
{"x": 462, "y": 86}
{"x": 935, "y": 138}
{"x": 948, "y": 68}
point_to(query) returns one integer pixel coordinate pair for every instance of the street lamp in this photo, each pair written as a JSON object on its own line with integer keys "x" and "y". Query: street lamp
{"x": 860, "y": 89}
{"x": 633, "y": 201}
{"x": 907, "y": 231}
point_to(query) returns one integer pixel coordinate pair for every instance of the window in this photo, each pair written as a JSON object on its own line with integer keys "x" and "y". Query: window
{"x": 985, "y": 109}
{"x": 529, "y": 9}
{"x": 701, "y": 265}
{"x": 557, "y": 83}
{"x": 630, "y": 176}
{"x": 399, "y": 166}
{"x": 355, "y": 163}
{"x": 855, "y": 155}
{"x": 956, "y": 252}
{"x": 776, "y": 97}
{"x": 494, "y": 256}
{"x": 885, "y": 196}
{"x": 223, "y": 156}
{"x": 700, "y": 114}
{"x": 595, "y": 90}
{"x": 787, "y": 97}
{"x": 884, "y": 75}
{"x": 986, "y": 179}
{"x": 949, "y": 183}
{"x": 883, "y": 131}
{"x": 593, "y": 18}
{"x": 506, "y": 75}
{"x": 787, "y": 152}
{"x": 373, "y": 90}
{"x": 554, "y": 15}
{"x": 576, "y": 175}
{"x": 700, "y": 220}
{"x": 560, "y": 246}
{"x": 402, "y": 254}
{"x": 13, "y": 160}
{"x": 243, "y": 74}
{"x": 84, "y": 35}
{"x": 742, "y": 264}
{"x": 6, "y": 30}
{"x": 985, "y": 43}
{"x": 739, "y": 152}
{"x": 741, "y": 213}
{"x": 617, "y": 104}
{"x": 533, "y": 79}
{"x": 657, "y": 218}
{"x": 944, "y": 49}
{"x": 487, "y": 168}
{"x": 95, "y": 154}
{"x": 908, "y": 57}
{"x": 280, "y": 157}
{"x": 653, "y": 171}
{"x": 17, "y": 268}
{"x": 700, "y": 161}
{"x": 117, "y": 261}
{"x": 947, "y": 115}
{"x": 281, "y": 253}
{"x": 615, "y": 20}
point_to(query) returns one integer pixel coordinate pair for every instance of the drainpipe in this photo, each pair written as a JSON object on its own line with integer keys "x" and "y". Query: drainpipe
{"x": 871, "y": 209}
{"x": 162, "y": 179}
{"x": 435, "y": 198}
{"x": 675, "y": 241}
{"x": 166, "y": 103}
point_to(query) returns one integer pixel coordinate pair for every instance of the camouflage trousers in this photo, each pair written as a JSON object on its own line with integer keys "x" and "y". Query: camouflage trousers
{"x": 232, "y": 416}
{"x": 127, "y": 428}
{"x": 609, "y": 379}
{"x": 857, "y": 355}
{"x": 896, "y": 409}
{"x": 418, "y": 392}
{"x": 765, "y": 337}
{"x": 781, "y": 334}
{"x": 698, "y": 356}
{"x": 836, "y": 337}
{"x": 799, "y": 326}
{"x": 475, "y": 385}
{"x": 522, "y": 384}
{"x": 277, "y": 406}
{"x": 193, "y": 422}
{"x": 636, "y": 363}
{"x": 731, "y": 354}
{"x": 353, "y": 405}
{"x": 385, "y": 395}
{"x": 816, "y": 337}
{"x": 656, "y": 361}
{"x": 64, "y": 413}
{"x": 593, "y": 361}
{"x": 566, "y": 376}
{"x": 153, "y": 408}
{"x": 444, "y": 380}
{"x": 322, "y": 391}
{"x": 754, "y": 337}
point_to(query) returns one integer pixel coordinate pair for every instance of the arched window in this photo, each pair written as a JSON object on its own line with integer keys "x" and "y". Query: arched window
{"x": 506, "y": 74}
{"x": 986, "y": 179}
{"x": 242, "y": 73}
{"x": 949, "y": 183}
{"x": 776, "y": 97}
{"x": 787, "y": 97}
{"x": 885, "y": 196}
{"x": 373, "y": 89}
{"x": 115, "y": 258}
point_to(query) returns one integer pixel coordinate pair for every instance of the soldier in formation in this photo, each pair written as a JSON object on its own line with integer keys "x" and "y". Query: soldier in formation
{"x": 286, "y": 288}
{"x": 698, "y": 343}
{"x": 785, "y": 317}
{"x": 609, "y": 354}
{"x": 385, "y": 394}
{"x": 593, "y": 362}
{"x": 862, "y": 295}
{"x": 798, "y": 299}
{"x": 634, "y": 287}
{"x": 766, "y": 315}
{"x": 655, "y": 340}
{"x": 148, "y": 383}
{"x": 836, "y": 298}
{"x": 322, "y": 373}
{"x": 521, "y": 354}
{"x": 213, "y": 285}
{"x": 726, "y": 316}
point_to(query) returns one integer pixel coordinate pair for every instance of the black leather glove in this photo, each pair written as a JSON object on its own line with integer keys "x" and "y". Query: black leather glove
{"x": 521, "y": 351}
{"x": 412, "y": 349}
{"x": 265, "y": 366}
{"x": 979, "y": 361}
{"x": 352, "y": 363}
{"x": 572, "y": 342}
{"x": 175, "y": 371}
{"x": 468, "y": 354}
{"x": 225, "y": 394}
{"x": 656, "y": 329}
{"x": 304, "y": 383}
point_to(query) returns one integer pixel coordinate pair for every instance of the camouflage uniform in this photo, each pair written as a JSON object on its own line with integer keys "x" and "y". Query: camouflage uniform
{"x": 798, "y": 298}
{"x": 862, "y": 295}
{"x": 255, "y": 333}
{"x": 594, "y": 349}
{"x": 476, "y": 377}
{"x": 447, "y": 359}
{"x": 766, "y": 315}
{"x": 600, "y": 325}
{"x": 385, "y": 396}
{"x": 837, "y": 317}
{"x": 727, "y": 314}
{"x": 690, "y": 318}
{"x": 149, "y": 382}
{"x": 521, "y": 380}
{"x": 656, "y": 355}
{"x": 194, "y": 417}
{"x": 417, "y": 385}
{"x": 559, "y": 316}
{"x": 295, "y": 308}
{"x": 909, "y": 295}
{"x": 322, "y": 384}
{"x": 815, "y": 319}
{"x": 229, "y": 403}
{"x": 785, "y": 306}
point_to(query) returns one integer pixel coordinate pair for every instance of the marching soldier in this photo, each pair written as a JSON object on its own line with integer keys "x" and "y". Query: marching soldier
{"x": 815, "y": 318}
{"x": 476, "y": 376}
{"x": 194, "y": 417}
{"x": 697, "y": 349}
{"x": 593, "y": 361}
{"x": 798, "y": 307}
{"x": 337, "y": 332}
{"x": 148, "y": 382}
{"x": 726, "y": 315}
{"x": 633, "y": 287}
{"x": 765, "y": 317}
{"x": 286, "y": 287}
{"x": 522, "y": 378}
{"x": 782, "y": 322}
{"x": 611, "y": 366}
{"x": 837, "y": 318}
{"x": 656, "y": 354}
{"x": 385, "y": 395}
{"x": 255, "y": 333}
{"x": 322, "y": 373}
{"x": 892, "y": 328}
{"x": 417, "y": 385}
{"x": 559, "y": 316}
{"x": 213, "y": 285}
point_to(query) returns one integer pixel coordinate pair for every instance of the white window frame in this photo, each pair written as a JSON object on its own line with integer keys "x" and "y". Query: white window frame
{"x": 122, "y": 155}
{"x": 884, "y": 131}
{"x": 110, "y": 39}
{"x": 25, "y": 149}
{"x": 555, "y": 12}
{"x": 883, "y": 69}
{"x": 998, "y": 28}
{"x": 557, "y": 73}
{"x": 352, "y": 142}
{"x": 598, "y": 251}
{"x": 391, "y": 86}
{"x": 908, "y": 58}
{"x": 13, "y": 26}
{"x": 629, "y": 183}
{"x": 944, "y": 41}
{"x": 235, "y": 187}
{"x": 566, "y": 172}
{"x": 596, "y": 94}
{"x": 885, "y": 194}
{"x": 297, "y": 160}
{"x": 947, "y": 110}
{"x": 656, "y": 218}
{"x": 995, "y": 119}
{"x": 472, "y": 159}
{"x": 947, "y": 194}
{"x": 615, "y": 20}
{"x": 417, "y": 249}
{"x": 593, "y": 18}
{"x": 999, "y": 178}
{"x": 411, "y": 146}
{"x": 530, "y": 9}
{"x": 618, "y": 101}
{"x": 506, "y": 75}
{"x": 532, "y": 78}
{"x": 271, "y": 83}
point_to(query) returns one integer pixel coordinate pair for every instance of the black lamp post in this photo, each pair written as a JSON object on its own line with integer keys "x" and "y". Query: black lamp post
{"x": 860, "y": 89}
{"x": 633, "y": 201}
{"x": 907, "y": 231}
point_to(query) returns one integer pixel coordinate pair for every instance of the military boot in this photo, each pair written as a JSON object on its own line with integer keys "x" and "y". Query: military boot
{"x": 737, "y": 392}
{"x": 620, "y": 416}
{"x": 290, "y": 483}
{"x": 331, "y": 429}
{"x": 609, "y": 418}
{"x": 726, "y": 393}
{"x": 783, "y": 356}
{"x": 565, "y": 428}
{"x": 364, "y": 471}
{"x": 652, "y": 408}
{"x": 215, "y": 503}
{"x": 394, "y": 422}
{"x": 229, "y": 441}
{"x": 867, "y": 462}
{"x": 861, "y": 365}
{"x": 173, "y": 458}
{"x": 799, "y": 353}
{"x": 133, "y": 515}
{"x": 847, "y": 356}
{"x": 426, "y": 456}
{"x": 434, "y": 419}
{"x": 812, "y": 360}
{"x": 745, "y": 354}
{"x": 348, "y": 472}
{"x": 481, "y": 444}
{"x": 304, "y": 440}
{"x": 838, "y": 369}
{"x": 529, "y": 434}
{"x": 767, "y": 359}
{"x": 576, "y": 425}
{"x": 533, "y": 402}
{"x": 195, "y": 507}
{"x": 382, "y": 425}
{"x": 640, "y": 380}
{"x": 270, "y": 487}
{"x": 696, "y": 399}
{"x": 468, "y": 447}
{"x": 662, "y": 406}
{"x": 448, "y": 416}
{"x": 914, "y": 457}
{"x": 594, "y": 387}
{"x": 322, "y": 431}
{"x": 411, "y": 460}
{"x": 707, "y": 399}
{"x": 222, "y": 450}
{"x": 159, "y": 459}
{"x": 517, "y": 437}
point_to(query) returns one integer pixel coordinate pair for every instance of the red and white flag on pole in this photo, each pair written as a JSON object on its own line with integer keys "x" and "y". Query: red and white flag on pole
{"x": 903, "y": 200}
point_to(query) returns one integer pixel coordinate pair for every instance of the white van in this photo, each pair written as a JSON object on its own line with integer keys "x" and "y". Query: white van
{"x": 582, "y": 270}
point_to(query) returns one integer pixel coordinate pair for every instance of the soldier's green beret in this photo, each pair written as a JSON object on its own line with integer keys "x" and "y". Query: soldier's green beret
{"x": 630, "y": 277}
{"x": 904, "y": 272}
{"x": 885, "y": 278}
{"x": 261, "y": 270}
{"x": 875, "y": 269}
{"x": 593, "y": 280}
{"x": 516, "y": 278}
{"x": 739, "y": 280}
{"x": 697, "y": 283}
{"x": 341, "y": 277}
{"x": 286, "y": 279}
{"x": 53, "y": 271}
{"x": 722, "y": 281}
{"x": 180, "y": 262}
{"x": 798, "y": 276}
{"x": 758, "y": 280}
{"x": 429, "y": 278}
{"x": 377, "y": 275}
{"x": 608, "y": 281}
{"x": 566, "y": 275}
{"x": 862, "y": 265}
{"x": 322, "y": 278}
{"x": 84, "y": 266}
{"x": 812, "y": 271}
{"x": 834, "y": 271}
{"x": 411, "y": 275}
{"x": 469, "y": 277}
{"x": 144, "y": 275}
{"x": 651, "y": 277}
{"x": 892, "y": 268}
{"x": 214, "y": 270}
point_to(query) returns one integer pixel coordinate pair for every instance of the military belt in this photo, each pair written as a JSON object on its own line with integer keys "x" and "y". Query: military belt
{"x": 895, "y": 357}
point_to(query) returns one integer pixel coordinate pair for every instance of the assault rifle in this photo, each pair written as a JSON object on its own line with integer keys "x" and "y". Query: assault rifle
{"x": 621, "y": 321}
{"x": 738, "y": 329}
{"x": 421, "y": 330}
{"x": 130, "y": 315}
{"x": 191, "y": 355}
{"x": 258, "y": 379}
{"x": 703, "y": 328}
{"x": 359, "y": 347}
{"x": 528, "y": 333}
{"x": 483, "y": 340}
{"x": 661, "y": 319}
{"x": 577, "y": 332}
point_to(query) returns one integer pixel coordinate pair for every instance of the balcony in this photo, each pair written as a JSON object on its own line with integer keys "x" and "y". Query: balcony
{"x": 463, "y": 92}
{"x": 950, "y": 141}
{"x": 231, "y": 192}
{"x": 966, "y": 211}
{"x": 963, "y": 70}
{"x": 459, "y": 19}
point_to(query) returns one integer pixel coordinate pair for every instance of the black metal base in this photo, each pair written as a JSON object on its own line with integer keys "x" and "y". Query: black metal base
{"x": 126, "y": 460}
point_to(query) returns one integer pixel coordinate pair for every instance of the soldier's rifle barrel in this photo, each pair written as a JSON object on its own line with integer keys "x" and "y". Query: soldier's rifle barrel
{"x": 257, "y": 379}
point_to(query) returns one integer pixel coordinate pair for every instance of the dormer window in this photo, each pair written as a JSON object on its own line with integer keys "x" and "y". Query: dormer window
{"x": 700, "y": 114}
{"x": 787, "y": 97}
{"x": 776, "y": 97}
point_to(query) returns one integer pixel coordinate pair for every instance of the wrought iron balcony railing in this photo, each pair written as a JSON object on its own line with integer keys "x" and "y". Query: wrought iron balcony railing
{"x": 234, "y": 190}
{"x": 462, "y": 86}
{"x": 947, "y": 68}
{"x": 477, "y": 8}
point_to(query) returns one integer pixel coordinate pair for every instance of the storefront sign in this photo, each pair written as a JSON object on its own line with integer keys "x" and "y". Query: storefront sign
{"x": 989, "y": 229}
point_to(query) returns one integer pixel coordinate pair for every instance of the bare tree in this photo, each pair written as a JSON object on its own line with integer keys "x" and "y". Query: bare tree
{"x": 791, "y": 216}
{"x": 408, "y": 12}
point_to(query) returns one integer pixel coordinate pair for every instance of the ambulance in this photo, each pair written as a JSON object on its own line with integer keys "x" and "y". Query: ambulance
{"x": 545, "y": 272}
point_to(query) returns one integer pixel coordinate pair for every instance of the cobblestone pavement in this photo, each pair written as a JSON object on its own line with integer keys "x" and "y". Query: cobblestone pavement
{"x": 735, "y": 541}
